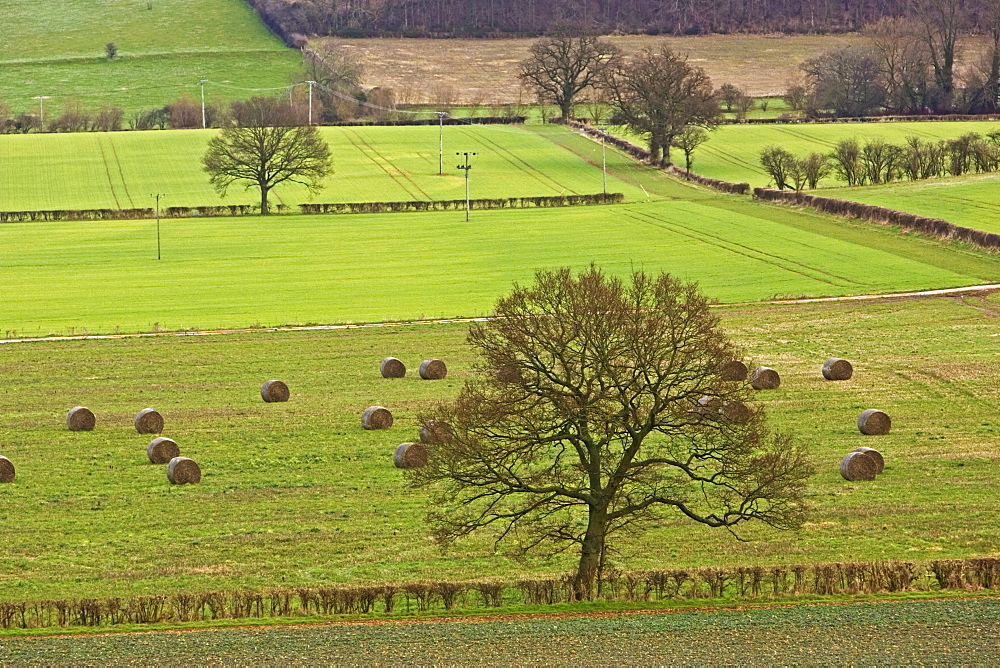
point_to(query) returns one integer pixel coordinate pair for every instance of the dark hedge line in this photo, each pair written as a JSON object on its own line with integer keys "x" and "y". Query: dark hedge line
{"x": 743, "y": 582}
{"x": 473, "y": 120}
{"x": 723, "y": 186}
{"x": 784, "y": 120}
{"x": 878, "y": 214}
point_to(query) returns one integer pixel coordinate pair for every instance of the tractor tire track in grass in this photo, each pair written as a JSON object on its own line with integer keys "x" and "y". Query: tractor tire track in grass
{"x": 799, "y": 134}
{"x": 121, "y": 172}
{"x": 736, "y": 161}
{"x": 107, "y": 171}
{"x": 393, "y": 172}
{"x": 526, "y": 167}
{"x": 755, "y": 254}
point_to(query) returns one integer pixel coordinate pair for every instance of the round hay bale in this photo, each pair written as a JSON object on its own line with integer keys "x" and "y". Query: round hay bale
{"x": 80, "y": 418}
{"x": 435, "y": 431}
{"x": 508, "y": 374}
{"x": 736, "y": 411}
{"x": 836, "y": 368}
{"x": 433, "y": 369}
{"x": 148, "y": 421}
{"x": 874, "y": 422}
{"x": 6, "y": 470}
{"x": 714, "y": 408}
{"x": 274, "y": 391}
{"x": 161, "y": 450}
{"x": 183, "y": 471}
{"x": 376, "y": 417}
{"x": 392, "y": 368}
{"x": 733, "y": 370}
{"x": 410, "y": 456}
{"x": 874, "y": 454}
{"x": 858, "y": 466}
{"x": 765, "y": 378}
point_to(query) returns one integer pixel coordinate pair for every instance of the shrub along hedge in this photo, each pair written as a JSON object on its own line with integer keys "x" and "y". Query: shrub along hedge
{"x": 744, "y": 582}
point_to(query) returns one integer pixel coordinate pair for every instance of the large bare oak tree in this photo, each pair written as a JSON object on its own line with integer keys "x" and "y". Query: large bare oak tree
{"x": 560, "y": 67}
{"x": 598, "y": 408}
{"x": 263, "y": 147}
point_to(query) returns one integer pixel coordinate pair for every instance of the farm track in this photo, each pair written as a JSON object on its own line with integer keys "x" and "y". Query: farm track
{"x": 732, "y": 160}
{"x": 107, "y": 172}
{"x": 978, "y": 290}
{"x": 121, "y": 172}
{"x": 746, "y": 251}
{"x": 524, "y": 166}
{"x": 386, "y": 160}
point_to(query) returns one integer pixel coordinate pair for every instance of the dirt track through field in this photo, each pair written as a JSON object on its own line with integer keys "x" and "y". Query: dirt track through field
{"x": 975, "y": 290}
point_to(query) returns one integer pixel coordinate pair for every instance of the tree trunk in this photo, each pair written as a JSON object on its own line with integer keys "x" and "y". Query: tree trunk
{"x": 263, "y": 199}
{"x": 566, "y": 109}
{"x": 591, "y": 554}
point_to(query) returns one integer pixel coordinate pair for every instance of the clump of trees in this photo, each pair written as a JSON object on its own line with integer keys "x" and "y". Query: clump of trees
{"x": 877, "y": 161}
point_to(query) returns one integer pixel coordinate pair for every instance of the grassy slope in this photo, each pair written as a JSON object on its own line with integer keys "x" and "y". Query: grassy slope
{"x": 952, "y": 632}
{"x": 162, "y": 52}
{"x": 298, "y": 494}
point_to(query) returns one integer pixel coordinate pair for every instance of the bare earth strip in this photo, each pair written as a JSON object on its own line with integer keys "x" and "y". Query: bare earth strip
{"x": 975, "y": 290}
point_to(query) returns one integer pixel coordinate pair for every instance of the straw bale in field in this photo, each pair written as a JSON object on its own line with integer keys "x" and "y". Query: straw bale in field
{"x": 733, "y": 370}
{"x": 183, "y": 471}
{"x": 435, "y": 431}
{"x": 6, "y": 470}
{"x": 392, "y": 368}
{"x": 80, "y": 418}
{"x": 161, "y": 450}
{"x": 858, "y": 466}
{"x": 765, "y": 378}
{"x": 376, "y": 417}
{"x": 836, "y": 368}
{"x": 874, "y": 454}
{"x": 874, "y": 422}
{"x": 274, "y": 391}
{"x": 410, "y": 456}
{"x": 433, "y": 369}
{"x": 148, "y": 421}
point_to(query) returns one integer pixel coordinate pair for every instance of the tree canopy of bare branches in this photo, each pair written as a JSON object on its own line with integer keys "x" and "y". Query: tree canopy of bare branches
{"x": 597, "y": 408}
{"x": 562, "y": 66}
{"x": 263, "y": 148}
{"x": 657, "y": 93}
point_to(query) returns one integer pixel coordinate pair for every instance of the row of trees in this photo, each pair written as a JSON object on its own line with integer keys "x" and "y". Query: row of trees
{"x": 479, "y": 18}
{"x": 655, "y": 92}
{"x": 877, "y": 161}
{"x": 909, "y": 65}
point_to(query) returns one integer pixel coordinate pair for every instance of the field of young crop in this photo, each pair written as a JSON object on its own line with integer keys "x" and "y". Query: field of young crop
{"x": 733, "y": 151}
{"x": 164, "y": 46}
{"x": 298, "y": 494}
{"x": 120, "y": 170}
{"x": 948, "y": 632}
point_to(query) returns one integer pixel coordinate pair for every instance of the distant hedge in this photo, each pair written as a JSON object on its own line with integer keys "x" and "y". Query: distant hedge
{"x": 878, "y": 214}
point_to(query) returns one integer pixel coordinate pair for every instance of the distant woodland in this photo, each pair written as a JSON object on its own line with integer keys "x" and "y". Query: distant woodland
{"x": 496, "y": 18}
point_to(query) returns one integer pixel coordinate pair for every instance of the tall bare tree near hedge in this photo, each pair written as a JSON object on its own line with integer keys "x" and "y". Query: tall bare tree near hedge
{"x": 610, "y": 414}
{"x": 657, "y": 93}
{"x": 563, "y": 65}
{"x": 941, "y": 23}
{"x": 264, "y": 148}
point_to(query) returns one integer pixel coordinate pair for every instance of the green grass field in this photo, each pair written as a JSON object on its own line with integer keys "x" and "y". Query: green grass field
{"x": 949, "y": 632}
{"x": 164, "y": 46}
{"x": 299, "y": 494}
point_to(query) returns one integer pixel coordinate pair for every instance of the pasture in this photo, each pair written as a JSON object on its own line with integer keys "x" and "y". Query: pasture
{"x": 298, "y": 494}
{"x": 950, "y": 632}
{"x": 164, "y": 46}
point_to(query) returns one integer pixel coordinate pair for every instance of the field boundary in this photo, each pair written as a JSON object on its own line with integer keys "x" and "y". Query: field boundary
{"x": 741, "y": 583}
{"x": 935, "y": 227}
{"x": 889, "y": 296}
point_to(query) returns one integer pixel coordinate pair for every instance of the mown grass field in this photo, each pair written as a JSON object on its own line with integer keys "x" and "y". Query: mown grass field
{"x": 953, "y": 632}
{"x": 298, "y": 494}
{"x": 164, "y": 46}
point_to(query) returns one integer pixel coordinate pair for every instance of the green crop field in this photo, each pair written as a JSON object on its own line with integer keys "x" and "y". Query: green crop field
{"x": 164, "y": 46}
{"x": 298, "y": 494}
{"x": 946, "y": 632}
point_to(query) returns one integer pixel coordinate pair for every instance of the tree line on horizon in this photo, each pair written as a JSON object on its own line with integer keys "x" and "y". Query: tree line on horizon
{"x": 530, "y": 18}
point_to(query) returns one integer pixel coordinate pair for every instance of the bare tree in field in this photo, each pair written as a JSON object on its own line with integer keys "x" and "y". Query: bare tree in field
{"x": 608, "y": 414}
{"x": 657, "y": 93}
{"x": 560, "y": 67}
{"x": 264, "y": 148}
{"x": 941, "y": 23}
